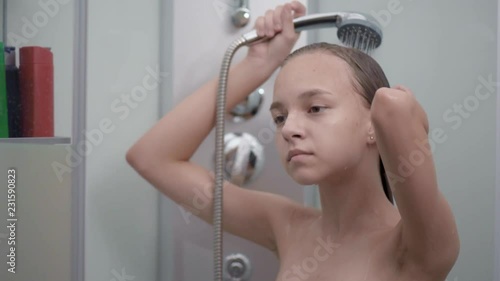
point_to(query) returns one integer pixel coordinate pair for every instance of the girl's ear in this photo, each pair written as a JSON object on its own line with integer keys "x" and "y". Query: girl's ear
{"x": 370, "y": 133}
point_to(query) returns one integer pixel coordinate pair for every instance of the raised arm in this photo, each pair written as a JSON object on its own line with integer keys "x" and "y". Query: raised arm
{"x": 429, "y": 232}
{"x": 162, "y": 155}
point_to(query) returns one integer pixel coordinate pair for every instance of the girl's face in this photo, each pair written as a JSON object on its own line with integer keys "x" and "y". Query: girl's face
{"x": 316, "y": 110}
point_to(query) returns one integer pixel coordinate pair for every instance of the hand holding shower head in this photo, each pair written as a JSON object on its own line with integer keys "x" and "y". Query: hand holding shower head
{"x": 357, "y": 30}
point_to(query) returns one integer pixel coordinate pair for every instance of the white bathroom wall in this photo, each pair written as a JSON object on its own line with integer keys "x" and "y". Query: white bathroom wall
{"x": 2, "y": 18}
{"x": 200, "y": 32}
{"x": 122, "y": 104}
{"x": 444, "y": 51}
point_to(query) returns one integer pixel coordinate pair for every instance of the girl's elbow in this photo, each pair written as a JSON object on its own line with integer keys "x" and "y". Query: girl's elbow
{"x": 135, "y": 159}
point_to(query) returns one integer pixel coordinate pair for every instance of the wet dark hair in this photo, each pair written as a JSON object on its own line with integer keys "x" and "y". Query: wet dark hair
{"x": 367, "y": 76}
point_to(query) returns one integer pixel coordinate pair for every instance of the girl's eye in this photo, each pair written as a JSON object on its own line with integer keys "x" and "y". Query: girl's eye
{"x": 316, "y": 108}
{"x": 278, "y": 119}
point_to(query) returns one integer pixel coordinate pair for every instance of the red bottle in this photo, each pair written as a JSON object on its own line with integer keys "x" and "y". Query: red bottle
{"x": 36, "y": 86}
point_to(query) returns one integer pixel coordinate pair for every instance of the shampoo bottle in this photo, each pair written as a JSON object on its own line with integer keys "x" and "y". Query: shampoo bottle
{"x": 36, "y": 80}
{"x": 13, "y": 97}
{"x": 4, "y": 122}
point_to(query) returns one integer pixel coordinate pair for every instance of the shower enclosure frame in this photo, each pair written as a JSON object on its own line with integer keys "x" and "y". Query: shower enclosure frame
{"x": 496, "y": 259}
{"x": 77, "y": 136}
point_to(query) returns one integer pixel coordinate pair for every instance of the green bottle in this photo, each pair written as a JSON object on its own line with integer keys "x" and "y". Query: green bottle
{"x": 4, "y": 122}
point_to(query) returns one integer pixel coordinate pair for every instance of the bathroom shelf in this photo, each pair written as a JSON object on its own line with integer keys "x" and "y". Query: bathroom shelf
{"x": 48, "y": 140}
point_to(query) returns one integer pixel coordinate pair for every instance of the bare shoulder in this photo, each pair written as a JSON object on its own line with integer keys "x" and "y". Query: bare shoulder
{"x": 290, "y": 224}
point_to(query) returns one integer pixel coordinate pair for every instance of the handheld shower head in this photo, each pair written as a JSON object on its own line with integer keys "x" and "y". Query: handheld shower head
{"x": 360, "y": 31}
{"x": 357, "y": 30}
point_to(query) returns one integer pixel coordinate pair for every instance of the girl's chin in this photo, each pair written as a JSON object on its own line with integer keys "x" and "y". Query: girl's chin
{"x": 305, "y": 175}
{"x": 304, "y": 180}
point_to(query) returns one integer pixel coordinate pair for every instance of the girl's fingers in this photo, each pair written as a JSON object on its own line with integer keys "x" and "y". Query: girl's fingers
{"x": 286, "y": 20}
{"x": 274, "y": 21}
{"x": 259, "y": 27}
{"x": 404, "y": 89}
{"x": 298, "y": 8}
{"x": 269, "y": 23}
{"x": 277, "y": 18}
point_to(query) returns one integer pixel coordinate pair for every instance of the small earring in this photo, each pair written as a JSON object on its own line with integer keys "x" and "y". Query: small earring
{"x": 371, "y": 137}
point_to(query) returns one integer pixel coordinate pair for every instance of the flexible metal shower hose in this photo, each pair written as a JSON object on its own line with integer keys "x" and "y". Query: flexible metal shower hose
{"x": 219, "y": 155}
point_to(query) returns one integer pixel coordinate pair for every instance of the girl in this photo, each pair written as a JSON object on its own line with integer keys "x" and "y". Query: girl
{"x": 337, "y": 121}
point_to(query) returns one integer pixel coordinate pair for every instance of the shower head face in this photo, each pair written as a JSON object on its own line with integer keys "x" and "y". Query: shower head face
{"x": 360, "y": 31}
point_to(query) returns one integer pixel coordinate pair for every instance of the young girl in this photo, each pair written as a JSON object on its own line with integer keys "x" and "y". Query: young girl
{"x": 336, "y": 121}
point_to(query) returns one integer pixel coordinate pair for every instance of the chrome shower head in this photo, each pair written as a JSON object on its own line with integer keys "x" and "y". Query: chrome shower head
{"x": 357, "y": 30}
{"x": 360, "y": 31}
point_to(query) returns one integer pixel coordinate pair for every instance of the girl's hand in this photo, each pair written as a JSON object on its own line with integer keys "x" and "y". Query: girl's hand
{"x": 402, "y": 100}
{"x": 277, "y": 25}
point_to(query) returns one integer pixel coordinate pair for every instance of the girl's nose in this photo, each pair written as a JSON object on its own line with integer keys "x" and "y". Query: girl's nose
{"x": 292, "y": 128}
